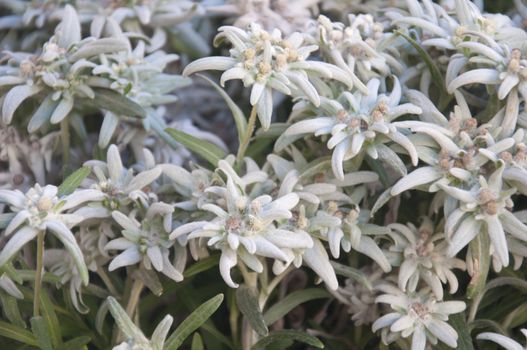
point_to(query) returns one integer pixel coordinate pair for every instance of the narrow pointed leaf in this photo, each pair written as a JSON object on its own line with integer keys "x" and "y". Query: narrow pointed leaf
{"x": 480, "y": 252}
{"x": 16, "y": 333}
{"x": 207, "y": 150}
{"x": 195, "y": 320}
{"x": 247, "y": 301}
{"x": 75, "y": 343}
{"x": 237, "y": 114}
{"x": 41, "y": 333}
{"x": 115, "y": 102}
{"x": 73, "y": 181}
{"x": 287, "y": 335}
{"x": 280, "y": 309}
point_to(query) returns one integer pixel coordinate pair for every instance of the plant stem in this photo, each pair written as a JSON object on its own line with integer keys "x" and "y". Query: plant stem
{"x": 38, "y": 274}
{"x": 65, "y": 136}
{"x": 247, "y": 137}
{"x": 249, "y": 336}
{"x": 265, "y": 293}
{"x": 107, "y": 281}
{"x": 137, "y": 288}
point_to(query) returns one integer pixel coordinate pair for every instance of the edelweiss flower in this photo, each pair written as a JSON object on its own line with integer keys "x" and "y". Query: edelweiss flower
{"x": 286, "y": 15}
{"x": 458, "y": 155}
{"x": 145, "y": 241}
{"x": 419, "y": 315}
{"x": 60, "y": 73}
{"x": 191, "y": 185}
{"x": 356, "y": 48}
{"x": 485, "y": 205}
{"x": 245, "y": 224}
{"x": 358, "y": 124}
{"x": 503, "y": 341}
{"x": 119, "y": 184}
{"x": 62, "y": 265}
{"x": 41, "y": 210}
{"x": 360, "y": 298}
{"x": 268, "y": 62}
{"x": 421, "y": 257}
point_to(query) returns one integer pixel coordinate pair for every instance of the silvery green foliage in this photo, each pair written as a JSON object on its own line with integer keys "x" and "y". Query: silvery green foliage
{"x": 136, "y": 340}
{"x": 380, "y": 154}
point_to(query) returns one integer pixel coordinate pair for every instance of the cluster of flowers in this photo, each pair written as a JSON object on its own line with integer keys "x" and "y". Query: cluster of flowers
{"x": 392, "y": 98}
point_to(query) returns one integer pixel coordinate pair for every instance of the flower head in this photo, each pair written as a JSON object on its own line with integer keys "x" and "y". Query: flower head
{"x": 417, "y": 314}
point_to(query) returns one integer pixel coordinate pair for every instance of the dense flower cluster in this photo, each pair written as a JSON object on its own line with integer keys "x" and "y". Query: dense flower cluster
{"x": 380, "y": 159}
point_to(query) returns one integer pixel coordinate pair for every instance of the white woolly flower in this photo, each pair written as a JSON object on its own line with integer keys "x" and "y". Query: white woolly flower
{"x": 356, "y": 48}
{"x": 41, "y": 209}
{"x": 358, "y": 124}
{"x": 120, "y": 185}
{"x": 421, "y": 256}
{"x": 266, "y": 62}
{"x": 360, "y": 298}
{"x": 485, "y": 206}
{"x": 244, "y": 225}
{"x": 419, "y": 315}
{"x": 191, "y": 185}
{"x": 63, "y": 266}
{"x": 286, "y": 15}
{"x": 146, "y": 241}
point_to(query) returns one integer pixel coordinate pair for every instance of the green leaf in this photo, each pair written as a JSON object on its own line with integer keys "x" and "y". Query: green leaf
{"x": 150, "y": 279}
{"x": 464, "y": 339}
{"x": 125, "y": 324}
{"x": 75, "y": 343}
{"x": 50, "y": 318}
{"x": 515, "y": 282}
{"x": 209, "y": 151}
{"x": 480, "y": 252}
{"x": 11, "y": 310}
{"x": 113, "y": 101}
{"x": 197, "y": 342}
{"x": 72, "y": 182}
{"x": 41, "y": 332}
{"x": 193, "y": 322}
{"x": 287, "y": 335}
{"x": 237, "y": 114}
{"x": 17, "y": 333}
{"x": 278, "y": 310}
{"x": 202, "y": 265}
{"x": 247, "y": 301}
{"x": 350, "y": 272}
{"x": 437, "y": 77}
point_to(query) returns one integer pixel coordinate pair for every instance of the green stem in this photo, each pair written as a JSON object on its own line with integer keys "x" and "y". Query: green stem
{"x": 265, "y": 293}
{"x": 247, "y": 137}
{"x": 107, "y": 281}
{"x": 65, "y": 136}
{"x": 249, "y": 336}
{"x": 38, "y": 275}
{"x": 137, "y": 288}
